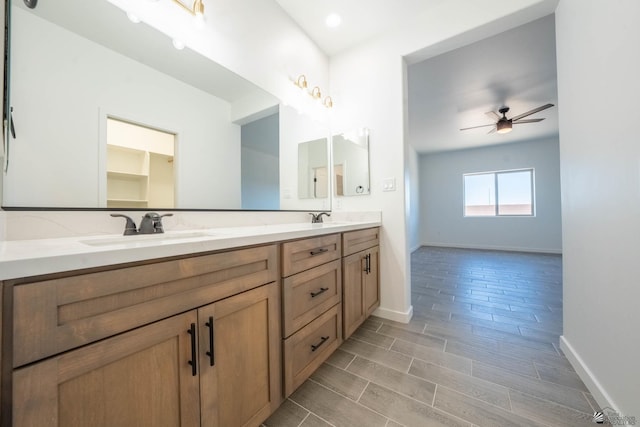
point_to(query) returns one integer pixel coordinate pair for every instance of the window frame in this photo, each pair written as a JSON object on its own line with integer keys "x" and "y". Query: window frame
{"x": 495, "y": 174}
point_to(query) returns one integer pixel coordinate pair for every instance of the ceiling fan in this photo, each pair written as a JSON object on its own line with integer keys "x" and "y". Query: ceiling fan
{"x": 504, "y": 125}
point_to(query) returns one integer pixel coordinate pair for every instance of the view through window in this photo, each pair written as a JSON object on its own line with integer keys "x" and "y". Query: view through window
{"x": 501, "y": 193}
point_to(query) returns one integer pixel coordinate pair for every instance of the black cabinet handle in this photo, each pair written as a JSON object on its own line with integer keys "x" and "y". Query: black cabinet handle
{"x": 321, "y": 291}
{"x": 193, "y": 362}
{"x": 366, "y": 264}
{"x": 314, "y": 347}
{"x": 319, "y": 251}
{"x": 211, "y": 352}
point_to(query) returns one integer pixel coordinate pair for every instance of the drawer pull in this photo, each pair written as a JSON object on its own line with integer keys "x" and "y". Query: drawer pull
{"x": 319, "y": 251}
{"x": 211, "y": 353}
{"x": 321, "y": 291}
{"x": 192, "y": 362}
{"x": 314, "y": 347}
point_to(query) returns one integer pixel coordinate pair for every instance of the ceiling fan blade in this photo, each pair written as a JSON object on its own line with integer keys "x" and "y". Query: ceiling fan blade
{"x": 495, "y": 128}
{"x": 528, "y": 113}
{"x": 528, "y": 121}
{"x": 475, "y": 127}
{"x": 493, "y": 115}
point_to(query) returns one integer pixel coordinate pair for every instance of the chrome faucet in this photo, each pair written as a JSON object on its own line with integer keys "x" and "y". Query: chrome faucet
{"x": 317, "y": 218}
{"x": 151, "y": 223}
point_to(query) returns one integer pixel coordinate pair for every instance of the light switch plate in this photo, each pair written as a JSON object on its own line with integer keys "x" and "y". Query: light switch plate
{"x": 389, "y": 184}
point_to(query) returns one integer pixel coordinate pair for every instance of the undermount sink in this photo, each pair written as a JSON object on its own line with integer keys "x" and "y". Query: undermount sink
{"x": 142, "y": 238}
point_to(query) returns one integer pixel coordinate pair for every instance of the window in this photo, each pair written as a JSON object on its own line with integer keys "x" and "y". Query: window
{"x": 503, "y": 193}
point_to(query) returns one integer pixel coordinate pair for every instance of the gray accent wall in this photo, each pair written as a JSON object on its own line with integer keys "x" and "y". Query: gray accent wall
{"x": 442, "y": 222}
{"x": 260, "y": 164}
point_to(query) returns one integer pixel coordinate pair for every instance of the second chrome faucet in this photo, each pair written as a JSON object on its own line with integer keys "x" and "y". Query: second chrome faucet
{"x": 317, "y": 218}
{"x": 151, "y": 223}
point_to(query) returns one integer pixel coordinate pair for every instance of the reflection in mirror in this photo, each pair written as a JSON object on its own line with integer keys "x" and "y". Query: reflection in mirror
{"x": 261, "y": 164}
{"x": 73, "y": 64}
{"x": 351, "y": 163}
{"x": 139, "y": 166}
{"x": 313, "y": 170}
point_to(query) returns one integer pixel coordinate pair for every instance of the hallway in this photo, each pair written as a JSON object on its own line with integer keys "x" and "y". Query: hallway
{"x": 481, "y": 350}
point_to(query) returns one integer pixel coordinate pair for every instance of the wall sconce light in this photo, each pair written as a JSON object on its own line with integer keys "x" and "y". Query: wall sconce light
{"x": 301, "y": 82}
{"x": 196, "y": 9}
{"x": 315, "y": 93}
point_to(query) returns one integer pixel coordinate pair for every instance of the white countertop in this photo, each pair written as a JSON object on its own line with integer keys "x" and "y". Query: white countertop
{"x": 24, "y": 258}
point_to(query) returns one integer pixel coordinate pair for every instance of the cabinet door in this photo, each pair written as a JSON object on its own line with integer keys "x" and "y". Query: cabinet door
{"x": 372, "y": 281}
{"x": 353, "y": 308}
{"x": 140, "y": 378}
{"x": 241, "y": 374}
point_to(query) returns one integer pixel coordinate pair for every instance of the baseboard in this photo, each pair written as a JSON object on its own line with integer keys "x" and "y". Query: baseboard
{"x": 396, "y": 316}
{"x": 415, "y": 248}
{"x": 588, "y": 378}
{"x": 493, "y": 248}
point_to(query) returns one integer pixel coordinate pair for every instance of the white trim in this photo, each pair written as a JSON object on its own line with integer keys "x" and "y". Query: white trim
{"x": 494, "y": 248}
{"x": 396, "y": 316}
{"x": 415, "y": 248}
{"x": 588, "y": 378}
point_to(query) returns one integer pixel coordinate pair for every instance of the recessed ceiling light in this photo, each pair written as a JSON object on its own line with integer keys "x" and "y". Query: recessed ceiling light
{"x": 333, "y": 20}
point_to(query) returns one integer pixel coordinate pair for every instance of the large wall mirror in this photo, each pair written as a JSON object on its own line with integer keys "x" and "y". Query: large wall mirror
{"x": 77, "y": 67}
{"x": 351, "y": 163}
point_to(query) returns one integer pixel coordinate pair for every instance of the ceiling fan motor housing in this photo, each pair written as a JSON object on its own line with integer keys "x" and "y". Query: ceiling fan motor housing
{"x": 504, "y": 126}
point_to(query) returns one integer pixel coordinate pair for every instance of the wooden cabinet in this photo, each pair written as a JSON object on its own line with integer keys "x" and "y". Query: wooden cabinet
{"x": 240, "y": 363}
{"x": 312, "y": 313}
{"x": 187, "y": 342}
{"x": 361, "y": 284}
{"x": 141, "y": 378}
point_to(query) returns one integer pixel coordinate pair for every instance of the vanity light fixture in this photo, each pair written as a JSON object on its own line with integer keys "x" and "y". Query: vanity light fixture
{"x": 315, "y": 93}
{"x": 301, "y": 82}
{"x": 327, "y": 102}
{"x": 196, "y": 9}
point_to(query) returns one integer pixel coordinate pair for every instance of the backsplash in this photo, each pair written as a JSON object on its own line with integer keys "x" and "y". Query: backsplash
{"x": 27, "y": 225}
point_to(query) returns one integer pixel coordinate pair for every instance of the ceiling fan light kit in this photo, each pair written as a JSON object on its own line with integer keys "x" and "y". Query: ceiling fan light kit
{"x": 505, "y": 125}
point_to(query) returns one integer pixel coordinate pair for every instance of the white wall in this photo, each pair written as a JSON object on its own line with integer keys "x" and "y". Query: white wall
{"x": 598, "y": 69}
{"x": 442, "y": 198}
{"x": 208, "y": 145}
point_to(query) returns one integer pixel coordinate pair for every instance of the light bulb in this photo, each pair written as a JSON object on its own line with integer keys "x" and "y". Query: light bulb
{"x": 200, "y": 20}
{"x": 198, "y": 10}
{"x": 178, "y": 44}
{"x": 133, "y": 17}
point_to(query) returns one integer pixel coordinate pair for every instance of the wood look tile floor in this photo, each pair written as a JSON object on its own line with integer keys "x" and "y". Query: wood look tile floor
{"x": 481, "y": 350}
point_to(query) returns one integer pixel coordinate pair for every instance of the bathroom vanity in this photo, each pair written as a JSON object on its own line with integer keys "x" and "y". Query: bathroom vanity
{"x": 210, "y": 329}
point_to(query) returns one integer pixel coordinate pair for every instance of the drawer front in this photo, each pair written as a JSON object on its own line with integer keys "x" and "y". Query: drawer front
{"x": 356, "y": 241}
{"x": 56, "y": 315}
{"x": 308, "y": 294}
{"x": 304, "y": 254}
{"x": 307, "y": 349}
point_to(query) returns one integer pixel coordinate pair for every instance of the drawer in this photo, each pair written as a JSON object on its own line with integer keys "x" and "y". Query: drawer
{"x": 307, "y": 349}
{"x": 356, "y": 241}
{"x": 304, "y": 254}
{"x": 308, "y": 294}
{"x": 56, "y": 315}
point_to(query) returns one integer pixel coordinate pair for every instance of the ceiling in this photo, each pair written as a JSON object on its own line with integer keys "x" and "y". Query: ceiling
{"x": 453, "y": 90}
{"x": 361, "y": 19}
